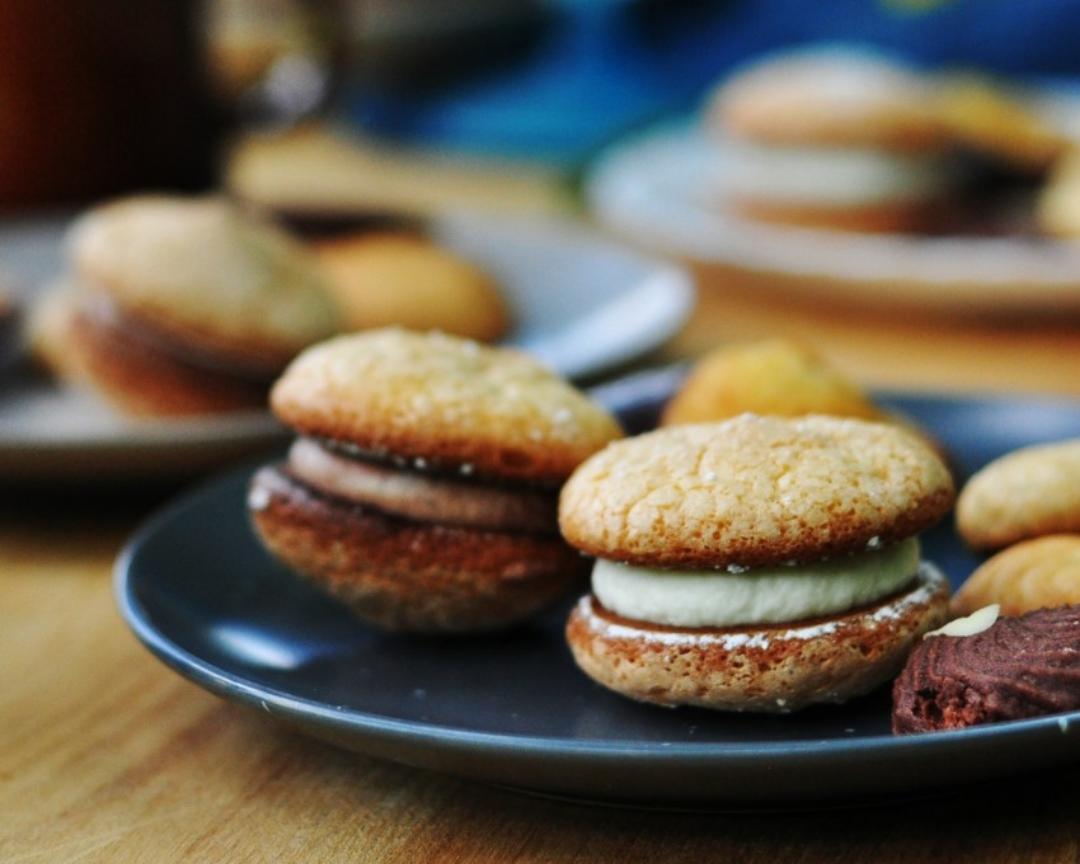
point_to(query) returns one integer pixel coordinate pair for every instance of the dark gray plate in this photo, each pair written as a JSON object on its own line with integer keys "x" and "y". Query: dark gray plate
{"x": 199, "y": 591}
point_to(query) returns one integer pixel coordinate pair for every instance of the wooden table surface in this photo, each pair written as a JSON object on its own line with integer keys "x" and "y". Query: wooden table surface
{"x": 106, "y": 755}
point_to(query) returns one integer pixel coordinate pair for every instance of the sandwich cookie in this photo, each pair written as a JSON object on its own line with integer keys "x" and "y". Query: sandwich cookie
{"x": 984, "y": 117}
{"x": 183, "y": 305}
{"x": 423, "y": 488}
{"x": 830, "y": 137}
{"x": 759, "y": 564}
{"x": 1058, "y": 207}
{"x": 774, "y": 377}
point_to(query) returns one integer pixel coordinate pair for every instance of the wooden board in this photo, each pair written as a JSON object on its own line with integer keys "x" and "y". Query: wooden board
{"x": 107, "y": 756}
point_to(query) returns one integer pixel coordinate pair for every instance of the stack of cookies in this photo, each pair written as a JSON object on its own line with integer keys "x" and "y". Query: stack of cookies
{"x": 850, "y": 138}
{"x": 1028, "y": 504}
{"x": 422, "y": 489}
{"x": 831, "y": 137}
{"x": 759, "y": 564}
{"x": 181, "y": 306}
{"x": 773, "y": 377}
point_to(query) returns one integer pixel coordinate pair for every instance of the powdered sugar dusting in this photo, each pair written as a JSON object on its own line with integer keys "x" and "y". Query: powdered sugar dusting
{"x": 930, "y": 579}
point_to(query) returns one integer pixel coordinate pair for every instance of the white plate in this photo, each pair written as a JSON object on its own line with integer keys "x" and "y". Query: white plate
{"x": 582, "y": 304}
{"x": 655, "y": 190}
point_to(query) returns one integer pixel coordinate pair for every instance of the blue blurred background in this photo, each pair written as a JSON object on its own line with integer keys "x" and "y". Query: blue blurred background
{"x": 555, "y": 81}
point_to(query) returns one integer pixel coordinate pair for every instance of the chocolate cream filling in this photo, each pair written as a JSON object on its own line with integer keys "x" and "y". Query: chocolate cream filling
{"x": 1018, "y": 667}
{"x": 422, "y": 497}
{"x": 100, "y": 311}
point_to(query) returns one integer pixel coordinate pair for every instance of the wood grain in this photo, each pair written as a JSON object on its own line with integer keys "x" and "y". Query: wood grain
{"x": 107, "y": 756}
{"x": 889, "y": 348}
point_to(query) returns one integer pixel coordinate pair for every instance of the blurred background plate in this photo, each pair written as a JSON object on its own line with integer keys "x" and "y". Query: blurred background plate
{"x": 654, "y": 189}
{"x": 199, "y": 590}
{"x": 582, "y": 304}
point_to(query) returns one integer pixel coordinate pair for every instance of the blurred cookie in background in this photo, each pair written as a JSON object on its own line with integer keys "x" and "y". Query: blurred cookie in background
{"x": 987, "y": 118}
{"x": 181, "y": 306}
{"x": 423, "y": 488}
{"x": 397, "y": 279}
{"x": 1059, "y": 202}
{"x": 777, "y": 378}
{"x": 828, "y": 96}
{"x": 773, "y": 377}
{"x": 831, "y": 136}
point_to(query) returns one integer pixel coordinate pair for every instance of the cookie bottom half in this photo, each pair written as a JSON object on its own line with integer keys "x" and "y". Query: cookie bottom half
{"x": 773, "y": 669}
{"x": 144, "y": 381}
{"x": 407, "y": 575}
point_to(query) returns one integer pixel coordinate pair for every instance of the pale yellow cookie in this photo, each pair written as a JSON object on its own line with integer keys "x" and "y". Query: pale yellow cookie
{"x": 753, "y": 491}
{"x": 1031, "y": 575}
{"x": 1058, "y": 208}
{"x": 206, "y": 276}
{"x": 382, "y": 280}
{"x": 1027, "y": 493}
{"x": 894, "y": 217}
{"x": 444, "y": 401}
{"x": 772, "y": 377}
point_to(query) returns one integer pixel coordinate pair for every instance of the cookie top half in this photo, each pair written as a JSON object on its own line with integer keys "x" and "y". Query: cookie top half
{"x": 443, "y": 401}
{"x": 207, "y": 273}
{"x": 754, "y": 491}
{"x": 828, "y": 97}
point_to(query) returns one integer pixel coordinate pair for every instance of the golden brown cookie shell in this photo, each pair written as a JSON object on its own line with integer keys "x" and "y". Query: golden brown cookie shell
{"x": 447, "y": 401}
{"x": 754, "y": 669}
{"x": 772, "y": 377}
{"x": 985, "y": 118}
{"x": 207, "y": 273}
{"x": 410, "y": 576}
{"x": 753, "y": 491}
{"x": 1034, "y": 574}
